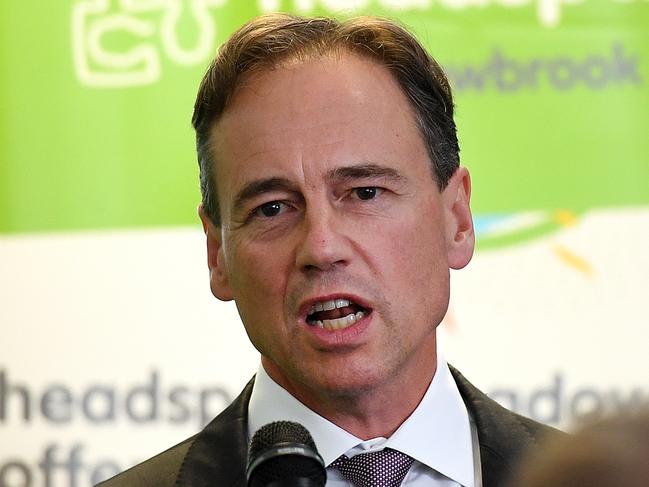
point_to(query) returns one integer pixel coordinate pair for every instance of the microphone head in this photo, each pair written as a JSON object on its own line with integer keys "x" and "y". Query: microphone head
{"x": 284, "y": 453}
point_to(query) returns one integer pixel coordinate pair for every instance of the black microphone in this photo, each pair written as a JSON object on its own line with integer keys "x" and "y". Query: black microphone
{"x": 283, "y": 454}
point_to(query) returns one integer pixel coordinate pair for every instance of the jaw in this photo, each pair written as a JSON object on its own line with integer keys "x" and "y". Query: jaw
{"x": 364, "y": 400}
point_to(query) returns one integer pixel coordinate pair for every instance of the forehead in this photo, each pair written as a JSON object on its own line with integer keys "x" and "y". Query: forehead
{"x": 324, "y": 111}
{"x": 336, "y": 87}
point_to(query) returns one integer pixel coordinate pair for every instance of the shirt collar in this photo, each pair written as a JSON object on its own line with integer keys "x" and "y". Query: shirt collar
{"x": 270, "y": 402}
{"x": 436, "y": 434}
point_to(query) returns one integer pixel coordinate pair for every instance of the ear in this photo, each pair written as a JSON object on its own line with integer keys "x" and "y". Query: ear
{"x": 460, "y": 237}
{"x": 219, "y": 280}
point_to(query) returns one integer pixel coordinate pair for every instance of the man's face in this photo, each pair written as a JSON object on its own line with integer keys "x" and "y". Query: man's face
{"x": 328, "y": 200}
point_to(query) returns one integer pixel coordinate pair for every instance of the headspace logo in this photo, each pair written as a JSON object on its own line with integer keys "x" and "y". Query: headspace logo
{"x": 152, "y": 29}
{"x": 548, "y": 12}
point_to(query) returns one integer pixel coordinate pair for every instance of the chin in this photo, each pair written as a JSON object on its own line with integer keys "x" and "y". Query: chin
{"x": 349, "y": 382}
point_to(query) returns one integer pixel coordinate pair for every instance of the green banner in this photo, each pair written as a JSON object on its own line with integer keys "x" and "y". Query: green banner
{"x": 96, "y": 98}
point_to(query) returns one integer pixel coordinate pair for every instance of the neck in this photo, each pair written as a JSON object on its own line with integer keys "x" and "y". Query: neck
{"x": 377, "y": 414}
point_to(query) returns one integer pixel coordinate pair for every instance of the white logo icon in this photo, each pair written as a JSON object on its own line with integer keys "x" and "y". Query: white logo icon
{"x": 94, "y": 20}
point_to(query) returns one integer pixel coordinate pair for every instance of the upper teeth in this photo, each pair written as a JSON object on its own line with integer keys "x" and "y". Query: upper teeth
{"x": 329, "y": 305}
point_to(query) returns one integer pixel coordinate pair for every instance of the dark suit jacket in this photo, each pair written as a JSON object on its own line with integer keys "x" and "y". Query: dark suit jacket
{"x": 216, "y": 457}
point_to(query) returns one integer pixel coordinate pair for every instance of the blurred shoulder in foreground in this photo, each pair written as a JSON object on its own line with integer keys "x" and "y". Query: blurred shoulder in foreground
{"x": 613, "y": 452}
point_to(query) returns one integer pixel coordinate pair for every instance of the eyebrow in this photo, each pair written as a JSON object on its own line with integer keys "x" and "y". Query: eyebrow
{"x": 364, "y": 171}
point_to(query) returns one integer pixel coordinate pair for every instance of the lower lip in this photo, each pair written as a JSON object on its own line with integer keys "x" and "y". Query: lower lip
{"x": 344, "y": 336}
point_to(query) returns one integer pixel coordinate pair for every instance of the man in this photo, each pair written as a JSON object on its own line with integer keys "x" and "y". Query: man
{"x": 334, "y": 206}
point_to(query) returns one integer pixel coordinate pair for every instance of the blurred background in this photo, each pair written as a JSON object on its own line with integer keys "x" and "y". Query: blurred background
{"x": 112, "y": 347}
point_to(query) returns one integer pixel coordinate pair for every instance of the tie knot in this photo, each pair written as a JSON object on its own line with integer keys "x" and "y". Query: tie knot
{"x": 384, "y": 468}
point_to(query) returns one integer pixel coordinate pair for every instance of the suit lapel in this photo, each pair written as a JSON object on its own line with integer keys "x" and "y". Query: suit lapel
{"x": 217, "y": 457}
{"x": 502, "y": 436}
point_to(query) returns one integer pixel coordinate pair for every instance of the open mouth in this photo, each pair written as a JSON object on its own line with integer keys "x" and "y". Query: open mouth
{"x": 335, "y": 314}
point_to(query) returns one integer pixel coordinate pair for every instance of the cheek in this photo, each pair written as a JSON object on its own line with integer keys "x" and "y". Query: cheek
{"x": 256, "y": 272}
{"x": 418, "y": 256}
{"x": 252, "y": 287}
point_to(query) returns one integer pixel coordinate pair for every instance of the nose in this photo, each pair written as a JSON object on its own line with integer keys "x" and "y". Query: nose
{"x": 324, "y": 244}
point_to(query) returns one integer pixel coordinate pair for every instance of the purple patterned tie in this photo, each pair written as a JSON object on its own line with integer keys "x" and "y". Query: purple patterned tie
{"x": 384, "y": 468}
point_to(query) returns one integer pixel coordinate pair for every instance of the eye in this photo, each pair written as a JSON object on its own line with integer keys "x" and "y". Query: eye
{"x": 367, "y": 192}
{"x": 269, "y": 210}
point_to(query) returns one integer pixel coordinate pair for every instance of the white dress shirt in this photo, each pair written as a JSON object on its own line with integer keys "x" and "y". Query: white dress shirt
{"x": 437, "y": 434}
